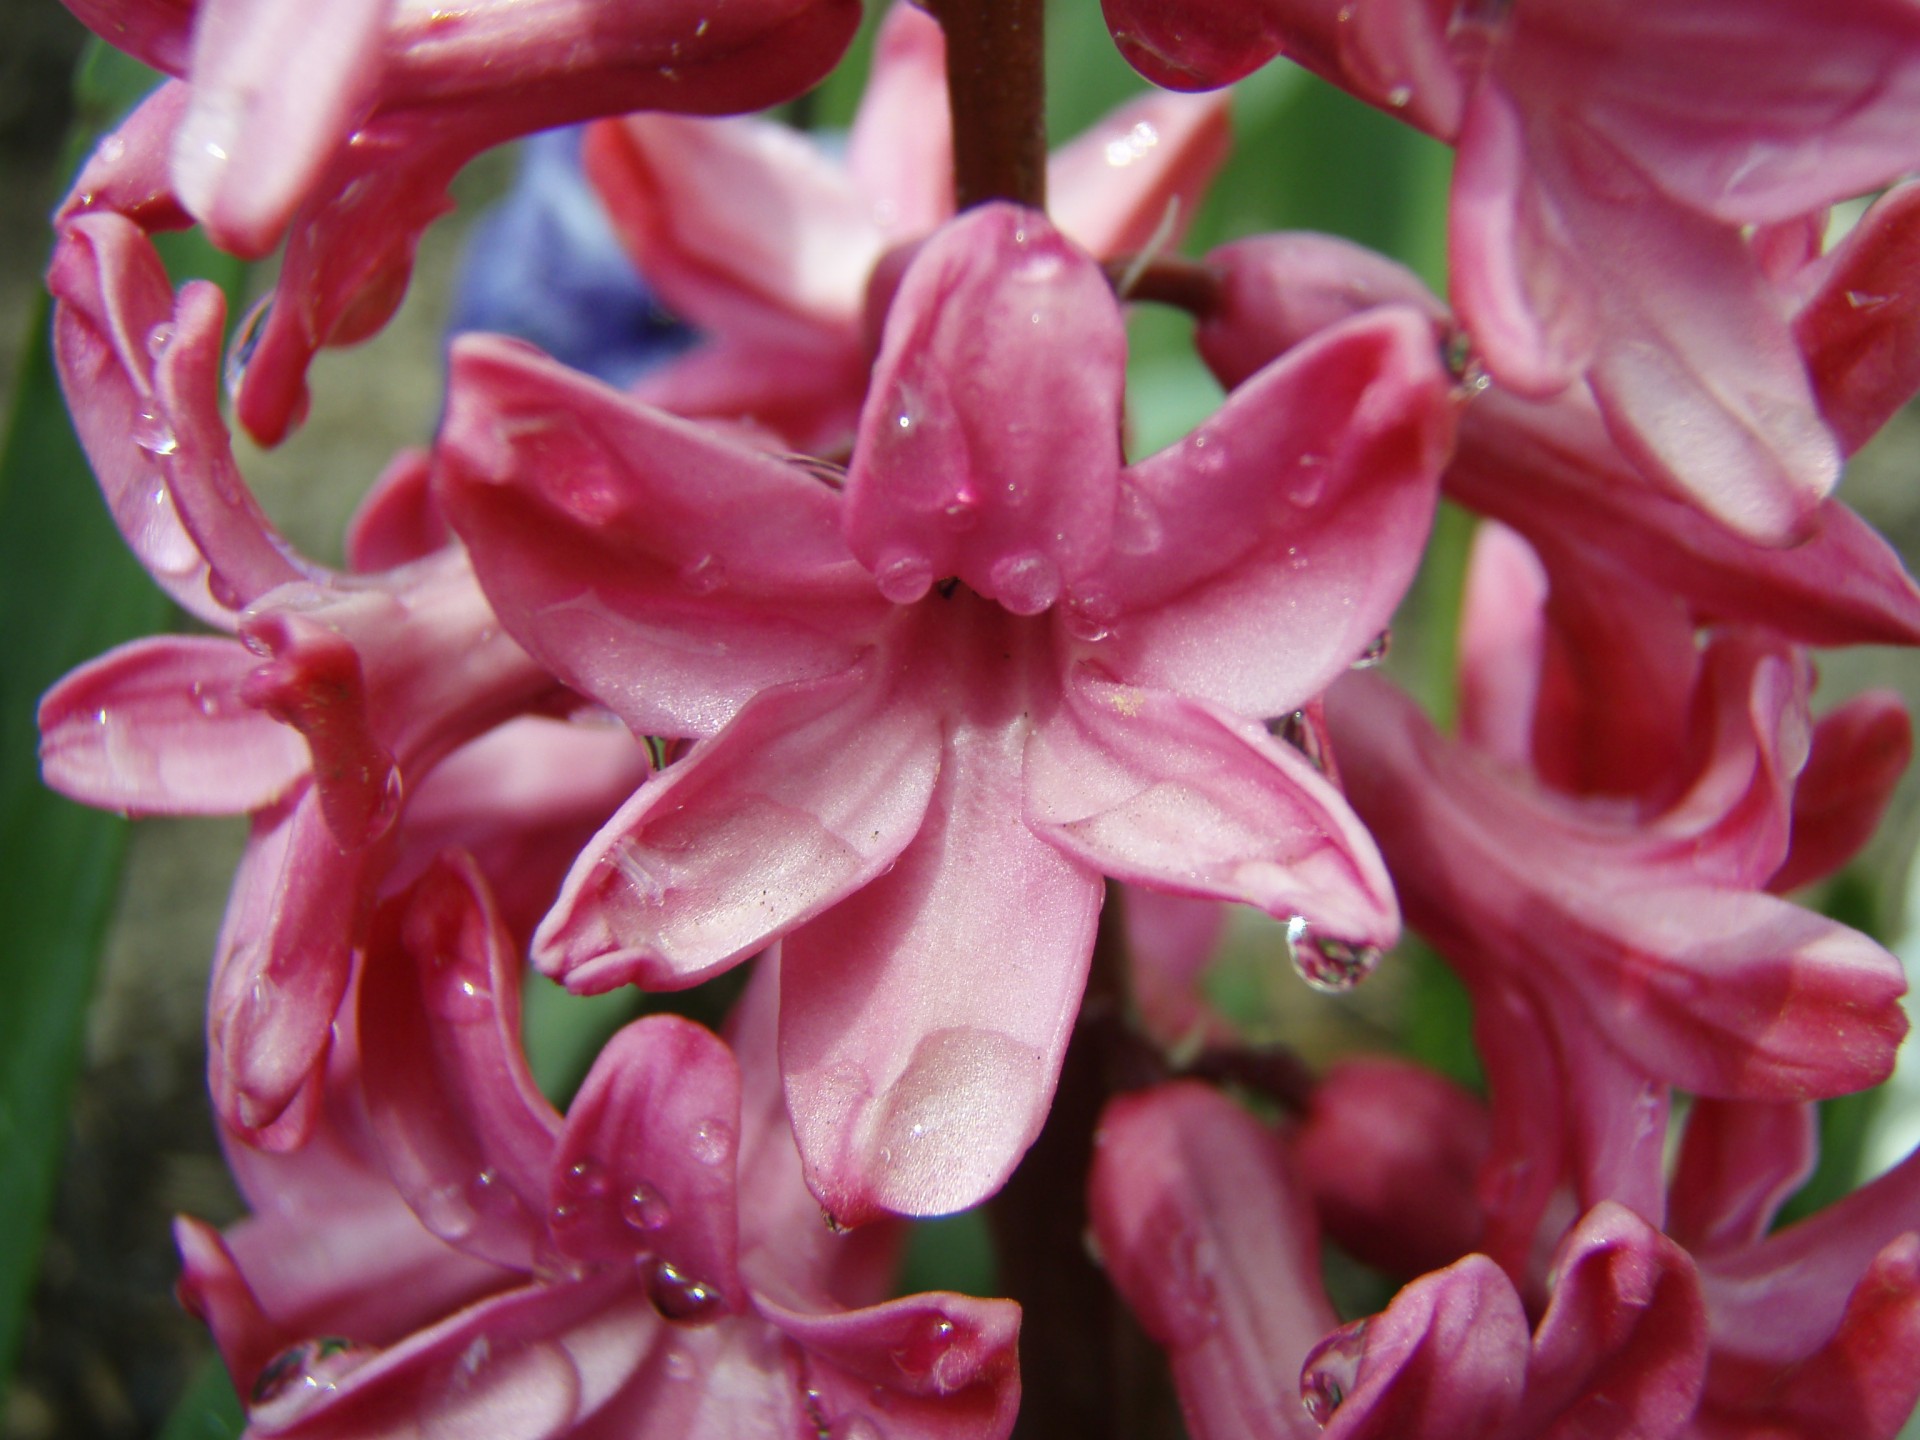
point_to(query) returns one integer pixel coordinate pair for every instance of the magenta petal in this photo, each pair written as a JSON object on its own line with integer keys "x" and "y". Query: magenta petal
{"x": 1859, "y": 752}
{"x": 1158, "y": 790}
{"x": 668, "y": 572}
{"x": 281, "y": 965}
{"x": 155, "y": 32}
{"x": 1207, "y": 1236}
{"x": 127, "y": 173}
{"x": 1859, "y": 330}
{"x": 398, "y": 520}
{"x": 212, "y": 1287}
{"x": 275, "y": 90}
{"x": 1739, "y": 1161}
{"x": 1307, "y": 497}
{"x": 919, "y": 1065}
{"x": 647, "y": 1163}
{"x": 935, "y": 1365}
{"x": 1502, "y": 643}
{"x": 463, "y": 1129}
{"x": 158, "y": 726}
{"x": 1622, "y": 1348}
{"x": 1447, "y": 1358}
{"x": 819, "y": 785}
{"x": 1193, "y": 47}
{"x": 990, "y": 441}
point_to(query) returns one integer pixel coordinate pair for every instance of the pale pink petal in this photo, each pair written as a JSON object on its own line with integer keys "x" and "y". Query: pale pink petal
{"x": 1448, "y": 1357}
{"x": 900, "y": 147}
{"x": 924, "y": 1019}
{"x": 809, "y": 397}
{"x": 1159, "y": 790}
{"x": 646, "y": 1166}
{"x": 810, "y": 793}
{"x": 1170, "y": 941}
{"x": 461, "y": 1126}
{"x": 127, "y": 172}
{"x": 276, "y": 89}
{"x": 1858, "y": 754}
{"x": 1137, "y": 177}
{"x": 1256, "y": 559}
{"x": 158, "y": 726}
{"x": 739, "y": 225}
{"x": 1207, "y": 1235}
{"x": 1004, "y": 478}
{"x": 1622, "y": 1348}
{"x": 668, "y": 572}
{"x": 1502, "y": 645}
{"x": 1739, "y": 1162}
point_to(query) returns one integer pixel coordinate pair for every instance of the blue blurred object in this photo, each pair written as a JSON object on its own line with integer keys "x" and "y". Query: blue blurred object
{"x": 544, "y": 265}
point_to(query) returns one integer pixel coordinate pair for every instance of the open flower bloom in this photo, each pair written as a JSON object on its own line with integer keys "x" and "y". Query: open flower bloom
{"x": 1593, "y": 857}
{"x": 658, "y": 1268}
{"x": 1612, "y": 162}
{"x": 340, "y": 129}
{"x": 322, "y": 713}
{"x": 937, "y": 705}
{"x": 749, "y": 231}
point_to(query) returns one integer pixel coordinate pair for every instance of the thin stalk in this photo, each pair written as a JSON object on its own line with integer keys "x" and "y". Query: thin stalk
{"x": 996, "y": 85}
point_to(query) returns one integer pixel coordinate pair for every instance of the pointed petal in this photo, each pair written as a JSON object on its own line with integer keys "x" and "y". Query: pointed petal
{"x": 668, "y": 572}
{"x": 1739, "y": 1162}
{"x": 919, "y": 1066}
{"x": 808, "y": 397}
{"x": 820, "y": 784}
{"x": 462, "y": 1127}
{"x": 900, "y": 146}
{"x": 1206, "y": 1234}
{"x": 1158, "y": 790}
{"x": 127, "y": 173}
{"x": 1502, "y": 645}
{"x": 990, "y": 441}
{"x": 1309, "y": 496}
{"x": 158, "y": 726}
{"x": 1136, "y": 178}
{"x": 1859, "y": 752}
{"x": 1858, "y": 329}
{"x": 398, "y": 520}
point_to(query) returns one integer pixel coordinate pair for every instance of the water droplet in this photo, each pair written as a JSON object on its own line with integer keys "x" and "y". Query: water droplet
{"x": 904, "y": 578}
{"x": 712, "y": 1142}
{"x": 1309, "y": 481}
{"x": 927, "y": 1352}
{"x": 1331, "y": 1369}
{"x": 1400, "y": 96}
{"x": 159, "y": 338}
{"x": 1087, "y": 618}
{"x": 459, "y": 991}
{"x": 1136, "y": 524}
{"x": 1131, "y": 146}
{"x": 246, "y": 340}
{"x": 1863, "y": 300}
{"x": 678, "y": 1298}
{"x": 589, "y": 491}
{"x": 704, "y": 575}
{"x": 646, "y": 1209}
{"x": 1299, "y": 731}
{"x": 300, "y": 1375}
{"x": 632, "y": 864}
{"x": 393, "y": 791}
{"x": 1375, "y": 652}
{"x": 1328, "y": 964}
{"x": 586, "y": 1178}
{"x": 1026, "y": 583}
{"x": 446, "y": 1211}
{"x": 111, "y": 151}
{"x": 205, "y": 699}
{"x": 153, "y": 435}
{"x": 856, "y": 1427}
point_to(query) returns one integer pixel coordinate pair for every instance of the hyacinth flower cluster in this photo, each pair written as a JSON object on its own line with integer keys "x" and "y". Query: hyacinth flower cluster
{"x": 843, "y": 644}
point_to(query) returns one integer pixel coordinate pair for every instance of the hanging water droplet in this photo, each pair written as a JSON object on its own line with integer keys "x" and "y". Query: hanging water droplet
{"x": 678, "y": 1365}
{"x": 153, "y": 435}
{"x": 712, "y": 1142}
{"x": 903, "y": 578}
{"x": 1400, "y": 96}
{"x": 1375, "y": 652}
{"x": 246, "y": 340}
{"x": 1086, "y": 618}
{"x": 678, "y": 1298}
{"x": 299, "y": 1375}
{"x": 1330, "y": 965}
{"x": 445, "y": 1211}
{"x": 1026, "y": 583}
{"x": 646, "y": 1209}
{"x": 1331, "y": 1369}
{"x": 460, "y": 992}
{"x": 925, "y": 1347}
{"x": 1299, "y": 731}
{"x": 159, "y": 338}
{"x": 111, "y": 151}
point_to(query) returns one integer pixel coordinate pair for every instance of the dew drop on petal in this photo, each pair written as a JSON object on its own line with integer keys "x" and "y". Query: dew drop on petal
{"x": 246, "y": 340}
{"x": 678, "y": 1365}
{"x": 678, "y": 1298}
{"x": 586, "y": 1178}
{"x": 301, "y": 1375}
{"x": 1331, "y": 1369}
{"x": 1299, "y": 731}
{"x": 159, "y": 338}
{"x": 153, "y": 435}
{"x": 1400, "y": 96}
{"x": 1328, "y": 964}
{"x": 447, "y": 1211}
{"x": 460, "y": 992}
{"x": 1375, "y": 652}
{"x": 855, "y": 1427}
{"x": 1026, "y": 583}
{"x": 923, "y": 1353}
{"x": 712, "y": 1142}
{"x": 1309, "y": 481}
{"x": 1137, "y": 529}
{"x": 646, "y": 1209}
{"x": 111, "y": 151}
{"x": 904, "y": 578}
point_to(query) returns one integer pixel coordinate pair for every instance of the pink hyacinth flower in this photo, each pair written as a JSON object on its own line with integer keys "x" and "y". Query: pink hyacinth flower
{"x": 940, "y": 703}
{"x": 749, "y": 231}
{"x": 652, "y": 1264}
{"x": 321, "y": 713}
{"x": 341, "y": 129}
{"x": 1611, "y": 158}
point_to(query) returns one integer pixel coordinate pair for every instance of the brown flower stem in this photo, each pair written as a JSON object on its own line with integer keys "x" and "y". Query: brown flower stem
{"x": 996, "y": 84}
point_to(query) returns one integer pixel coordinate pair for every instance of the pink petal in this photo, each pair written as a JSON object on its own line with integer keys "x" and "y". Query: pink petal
{"x": 1739, "y": 1162}
{"x": 647, "y": 1164}
{"x": 275, "y": 91}
{"x": 1859, "y": 752}
{"x": 741, "y": 226}
{"x": 822, "y": 784}
{"x": 1158, "y": 790}
{"x": 918, "y": 1065}
{"x": 900, "y": 146}
{"x": 1136, "y": 178}
{"x": 398, "y": 520}
{"x": 1502, "y": 645}
{"x": 462, "y": 1128}
{"x": 1170, "y": 940}
{"x": 154, "y": 32}
{"x": 1193, "y": 48}
{"x": 127, "y": 173}
{"x": 1204, "y": 1231}
{"x": 990, "y": 440}
{"x": 158, "y": 726}
{"x": 808, "y": 397}
{"x": 1308, "y": 497}
{"x": 1858, "y": 330}
{"x": 667, "y": 572}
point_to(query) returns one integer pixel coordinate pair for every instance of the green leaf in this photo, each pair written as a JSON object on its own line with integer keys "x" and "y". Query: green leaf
{"x": 68, "y": 590}
{"x": 209, "y": 1410}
